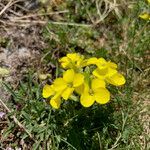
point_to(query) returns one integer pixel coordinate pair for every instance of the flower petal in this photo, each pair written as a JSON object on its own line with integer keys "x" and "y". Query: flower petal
{"x": 72, "y": 60}
{"x": 80, "y": 62}
{"x": 56, "y": 101}
{"x": 102, "y": 63}
{"x": 64, "y": 62}
{"x": 79, "y": 89}
{"x": 145, "y": 16}
{"x": 97, "y": 83}
{"x": 100, "y": 73}
{"x": 111, "y": 72}
{"x": 68, "y": 75}
{"x": 78, "y": 79}
{"x": 92, "y": 61}
{"x": 117, "y": 79}
{"x": 48, "y": 90}
{"x": 86, "y": 99}
{"x": 67, "y": 93}
{"x": 102, "y": 95}
{"x": 59, "y": 84}
{"x": 73, "y": 56}
{"x": 112, "y": 65}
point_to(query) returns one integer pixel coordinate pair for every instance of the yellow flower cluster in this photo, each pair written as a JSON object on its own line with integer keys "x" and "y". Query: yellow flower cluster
{"x": 85, "y": 77}
{"x": 145, "y": 16}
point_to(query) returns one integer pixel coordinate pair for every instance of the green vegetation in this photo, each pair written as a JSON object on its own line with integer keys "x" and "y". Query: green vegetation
{"x": 120, "y": 36}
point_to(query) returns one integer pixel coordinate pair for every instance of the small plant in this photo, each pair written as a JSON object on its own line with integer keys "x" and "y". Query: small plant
{"x": 82, "y": 77}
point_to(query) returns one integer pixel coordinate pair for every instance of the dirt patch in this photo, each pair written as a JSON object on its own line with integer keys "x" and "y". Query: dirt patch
{"x": 21, "y": 52}
{"x": 20, "y": 43}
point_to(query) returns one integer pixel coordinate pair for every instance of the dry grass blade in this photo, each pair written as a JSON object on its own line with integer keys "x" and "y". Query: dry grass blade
{"x": 108, "y": 7}
{"x": 37, "y": 15}
{"x": 6, "y": 7}
{"x": 31, "y": 22}
{"x": 9, "y": 4}
{"x": 10, "y": 10}
{"x": 16, "y": 120}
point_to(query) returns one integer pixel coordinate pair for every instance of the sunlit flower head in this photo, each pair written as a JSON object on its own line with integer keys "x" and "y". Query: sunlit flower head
{"x": 72, "y": 61}
{"x": 94, "y": 92}
{"x": 49, "y": 91}
{"x": 68, "y": 83}
{"x": 104, "y": 69}
{"x": 101, "y": 63}
{"x": 111, "y": 76}
{"x": 117, "y": 79}
{"x": 89, "y": 83}
{"x": 108, "y": 71}
{"x": 55, "y": 101}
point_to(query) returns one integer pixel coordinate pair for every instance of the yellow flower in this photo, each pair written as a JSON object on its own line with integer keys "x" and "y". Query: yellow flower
{"x": 68, "y": 83}
{"x": 101, "y": 63}
{"x": 62, "y": 87}
{"x": 145, "y": 16}
{"x": 97, "y": 93}
{"x": 104, "y": 69}
{"x": 148, "y": 1}
{"x": 108, "y": 71}
{"x": 89, "y": 89}
{"x": 111, "y": 76}
{"x": 91, "y": 61}
{"x": 117, "y": 79}
{"x": 56, "y": 100}
{"x": 72, "y": 61}
{"x": 48, "y": 90}
{"x": 104, "y": 73}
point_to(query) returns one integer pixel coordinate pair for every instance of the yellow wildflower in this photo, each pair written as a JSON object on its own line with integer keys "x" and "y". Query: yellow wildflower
{"x": 117, "y": 79}
{"x": 148, "y": 1}
{"x": 48, "y": 90}
{"x": 89, "y": 89}
{"x": 145, "y": 16}
{"x": 104, "y": 73}
{"x": 101, "y": 63}
{"x": 68, "y": 83}
{"x": 104, "y": 69}
{"x": 72, "y": 61}
{"x": 110, "y": 75}
{"x": 56, "y": 100}
{"x": 62, "y": 87}
{"x": 108, "y": 71}
{"x": 91, "y": 61}
{"x": 97, "y": 93}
